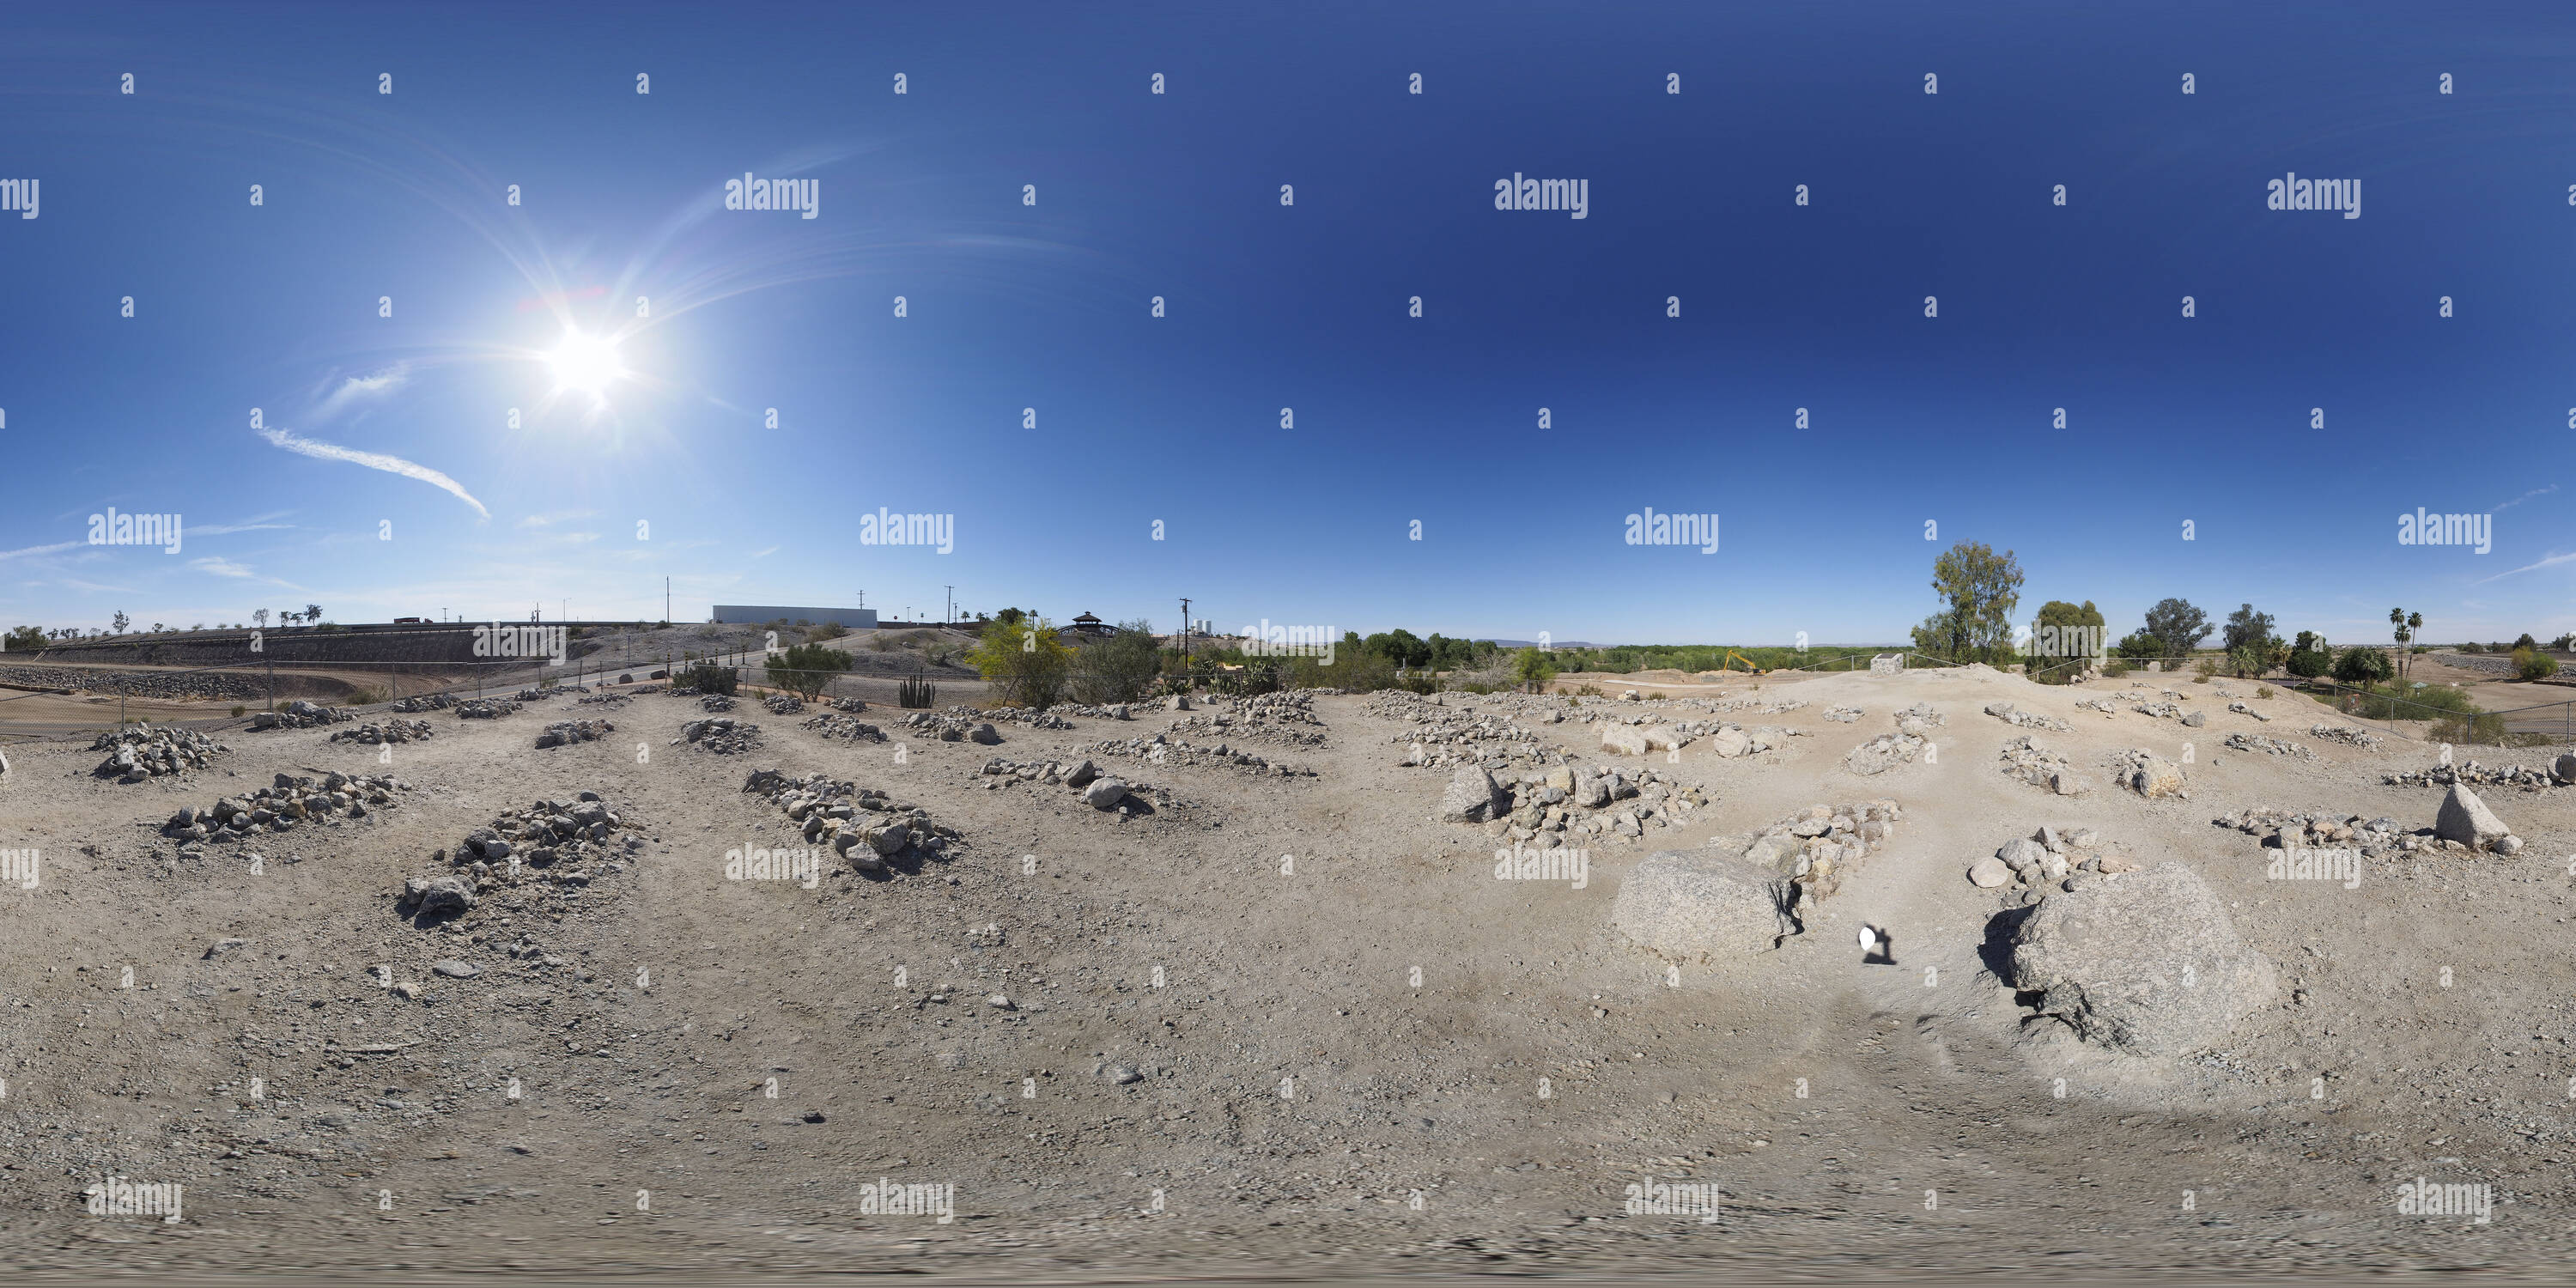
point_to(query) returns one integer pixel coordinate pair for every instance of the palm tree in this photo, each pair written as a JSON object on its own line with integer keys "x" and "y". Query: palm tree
{"x": 2414, "y": 630}
{"x": 2397, "y": 618}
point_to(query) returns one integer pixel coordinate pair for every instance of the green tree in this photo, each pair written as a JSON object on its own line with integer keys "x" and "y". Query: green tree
{"x": 2309, "y": 656}
{"x": 25, "y": 639}
{"x": 2362, "y": 666}
{"x": 1532, "y": 668}
{"x": 2177, "y": 626}
{"x": 120, "y": 621}
{"x": 2245, "y": 627}
{"x": 2526, "y": 641}
{"x": 2061, "y": 633}
{"x": 1978, "y": 590}
{"x": 807, "y": 669}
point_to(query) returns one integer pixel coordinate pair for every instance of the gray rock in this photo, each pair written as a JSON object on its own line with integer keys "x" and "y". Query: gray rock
{"x": 438, "y": 896}
{"x": 1082, "y": 775}
{"x": 1473, "y": 797}
{"x": 985, "y": 734}
{"x": 2195, "y": 720}
{"x": 1105, "y": 793}
{"x": 454, "y": 969}
{"x": 2563, "y": 768}
{"x": 2022, "y": 854}
{"x": 2148, "y": 964}
{"x": 1120, "y": 1074}
{"x": 1731, "y": 743}
{"x": 1626, "y": 740}
{"x": 1591, "y": 792}
{"x": 221, "y": 947}
{"x": 2467, "y": 820}
{"x": 1989, "y": 873}
{"x": 1695, "y": 906}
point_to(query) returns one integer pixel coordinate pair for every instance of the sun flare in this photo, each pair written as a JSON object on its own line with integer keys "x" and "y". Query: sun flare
{"x": 586, "y": 363}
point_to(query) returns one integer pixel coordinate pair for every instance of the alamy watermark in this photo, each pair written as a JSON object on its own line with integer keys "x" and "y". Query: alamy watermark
{"x": 2294, "y": 193}
{"x": 2421, "y": 1197}
{"x": 801, "y": 864}
{"x": 116, "y": 528}
{"x": 1269, "y": 640}
{"x": 1652, "y": 1197}
{"x": 18, "y": 867}
{"x": 117, "y": 1196}
{"x": 884, "y": 528}
{"x": 18, "y": 195}
{"x": 497, "y": 640}
{"x": 1573, "y": 196}
{"x": 885, "y": 1197}
{"x": 2425, "y": 529}
{"x": 1653, "y": 528}
{"x": 2324, "y": 864}
{"x": 1529, "y": 863}
{"x": 749, "y": 193}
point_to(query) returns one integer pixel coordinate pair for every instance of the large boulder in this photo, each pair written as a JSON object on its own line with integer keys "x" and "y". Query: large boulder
{"x": 1665, "y": 738}
{"x": 1730, "y": 743}
{"x": 2467, "y": 820}
{"x": 1473, "y": 797}
{"x": 1697, "y": 906}
{"x": 1626, "y": 740}
{"x": 2148, "y": 963}
{"x": 2563, "y": 768}
{"x": 438, "y": 896}
{"x": 2151, "y": 775}
{"x": 1104, "y": 793}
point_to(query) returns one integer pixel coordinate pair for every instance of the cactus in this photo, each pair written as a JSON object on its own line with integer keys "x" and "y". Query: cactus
{"x": 916, "y": 694}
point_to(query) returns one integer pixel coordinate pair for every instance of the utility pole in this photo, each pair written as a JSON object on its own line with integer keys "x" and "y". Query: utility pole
{"x": 1185, "y": 635}
{"x": 951, "y": 610}
{"x": 666, "y": 601}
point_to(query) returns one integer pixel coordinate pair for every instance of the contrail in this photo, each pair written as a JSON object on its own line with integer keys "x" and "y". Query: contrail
{"x": 373, "y": 461}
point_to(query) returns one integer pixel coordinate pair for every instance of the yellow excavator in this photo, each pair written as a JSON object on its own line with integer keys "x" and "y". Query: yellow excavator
{"x": 1732, "y": 656}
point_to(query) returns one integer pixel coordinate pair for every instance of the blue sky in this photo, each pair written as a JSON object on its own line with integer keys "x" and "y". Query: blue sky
{"x": 1396, "y": 419}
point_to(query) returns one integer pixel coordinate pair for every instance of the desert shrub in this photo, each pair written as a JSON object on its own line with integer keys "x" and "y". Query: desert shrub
{"x": 2203, "y": 669}
{"x": 2115, "y": 667}
{"x": 2262, "y": 690}
{"x": 1532, "y": 669}
{"x": 2471, "y": 647}
{"x": 2533, "y": 666}
{"x": 707, "y": 677}
{"x": 2362, "y": 665}
{"x": 881, "y": 642}
{"x": 1023, "y": 661}
{"x": 26, "y": 639}
{"x": 1589, "y": 691}
{"x": 826, "y": 631}
{"x": 239, "y": 708}
{"x": 807, "y": 669}
{"x": 1119, "y": 668}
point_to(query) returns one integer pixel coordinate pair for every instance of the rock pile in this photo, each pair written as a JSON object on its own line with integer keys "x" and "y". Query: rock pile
{"x": 485, "y": 708}
{"x": 2148, "y": 774}
{"x": 2472, "y": 772}
{"x": 957, "y": 724}
{"x": 1884, "y": 752}
{"x": 1183, "y": 752}
{"x": 2338, "y": 733}
{"x": 2020, "y": 719}
{"x": 1287, "y": 719}
{"x": 141, "y": 752}
{"x": 287, "y": 801}
{"x": 861, "y": 824}
{"x": 390, "y": 731}
{"x": 2376, "y": 839}
{"x": 2148, "y": 964}
{"x": 301, "y": 714}
{"x": 603, "y": 698}
{"x": 714, "y": 702}
{"x": 2047, "y": 861}
{"x": 1920, "y": 719}
{"x": 834, "y": 725}
{"x": 1844, "y": 715}
{"x": 722, "y": 735}
{"x": 2244, "y": 710}
{"x": 2105, "y": 705}
{"x": 551, "y": 851}
{"x": 197, "y": 686}
{"x": 1818, "y": 846}
{"x": 566, "y": 732}
{"x": 2268, "y": 746}
{"x": 784, "y": 704}
{"x": 425, "y": 702}
{"x": 2038, "y": 766}
{"x": 851, "y": 705}
{"x": 1552, "y": 804}
{"x": 1098, "y": 790}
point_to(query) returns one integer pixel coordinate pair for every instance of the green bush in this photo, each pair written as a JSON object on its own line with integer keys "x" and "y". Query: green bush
{"x": 1118, "y": 668}
{"x": 2533, "y": 666}
{"x": 807, "y": 669}
{"x": 1024, "y": 661}
{"x": 1532, "y": 669}
{"x": 707, "y": 677}
{"x": 2309, "y": 663}
{"x": 26, "y": 639}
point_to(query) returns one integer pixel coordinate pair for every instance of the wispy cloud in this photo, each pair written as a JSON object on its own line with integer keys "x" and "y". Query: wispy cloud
{"x": 374, "y": 461}
{"x": 559, "y": 516}
{"x": 54, "y": 549}
{"x": 2527, "y": 496}
{"x": 2553, "y": 559}
{"x": 227, "y": 529}
{"x": 219, "y": 567}
{"x": 356, "y": 389}
{"x": 763, "y": 554}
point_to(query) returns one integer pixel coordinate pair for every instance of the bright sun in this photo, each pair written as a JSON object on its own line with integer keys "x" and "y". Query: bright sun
{"x": 585, "y": 362}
